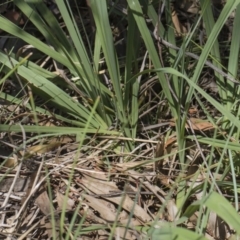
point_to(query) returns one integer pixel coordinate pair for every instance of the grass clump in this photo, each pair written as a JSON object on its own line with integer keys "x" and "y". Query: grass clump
{"x": 119, "y": 120}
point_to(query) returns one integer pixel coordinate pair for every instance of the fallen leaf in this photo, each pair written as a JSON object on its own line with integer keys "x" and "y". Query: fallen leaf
{"x": 11, "y": 162}
{"x": 196, "y": 124}
{"x": 43, "y": 202}
{"x": 179, "y": 28}
{"x": 45, "y": 205}
{"x": 104, "y": 187}
{"x": 61, "y": 200}
{"x": 40, "y": 149}
{"x": 121, "y": 233}
{"x": 101, "y": 206}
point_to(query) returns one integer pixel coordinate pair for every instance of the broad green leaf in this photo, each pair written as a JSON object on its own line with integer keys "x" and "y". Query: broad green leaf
{"x": 14, "y": 30}
{"x": 217, "y": 143}
{"x": 58, "y": 130}
{"x": 223, "y": 208}
{"x": 170, "y": 232}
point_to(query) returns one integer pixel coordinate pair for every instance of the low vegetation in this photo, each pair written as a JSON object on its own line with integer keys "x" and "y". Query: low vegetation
{"x": 119, "y": 119}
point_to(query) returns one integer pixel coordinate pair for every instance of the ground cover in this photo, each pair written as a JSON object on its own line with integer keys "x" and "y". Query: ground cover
{"x": 119, "y": 119}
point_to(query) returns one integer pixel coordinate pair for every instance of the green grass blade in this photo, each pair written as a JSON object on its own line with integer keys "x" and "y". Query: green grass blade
{"x": 40, "y": 15}
{"x": 58, "y": 130}
{"x": 215, "y": 52}
{"x": 211, "y": 100}
{"x": 169, "y": 232}
{"x": 14, "y": 30}
{"x": 228, "y": 8}
{"x": 222, "y": 207}
{"x": 131, "y": 90}
{"x": 99, "y": 10}
{"x": 142, "y": 26}
{"x": 52, "y": 93}
{"x": 217, "y": 143}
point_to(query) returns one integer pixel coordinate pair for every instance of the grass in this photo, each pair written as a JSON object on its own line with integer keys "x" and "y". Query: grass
{"x": 112, "y": 128}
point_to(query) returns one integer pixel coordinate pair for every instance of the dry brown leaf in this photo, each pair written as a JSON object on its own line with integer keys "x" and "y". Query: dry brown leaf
{"x": 102, "y": 207}
{"x": 11, "y": 161}
{"x": 43, "y": 202}
{"x": 196, "y": 124}
{"x": 45, "y": 205}
{"x": 101, "y": 187}
{"x": 199, "y": 124}
{"x": 179, "y": 28}
{"x": 88, "y": 214}
{"x": 170, "y": 141}
{"x": 108, "y": 212}
{"x": 61, "y": 200}
{"x": 41, "y": 149}
{"x": 120, "y": 233}
{"x": 192, "y": 110}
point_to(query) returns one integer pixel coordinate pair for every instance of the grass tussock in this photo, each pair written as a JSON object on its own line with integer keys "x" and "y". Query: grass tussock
{"x": 119, "y": 119}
